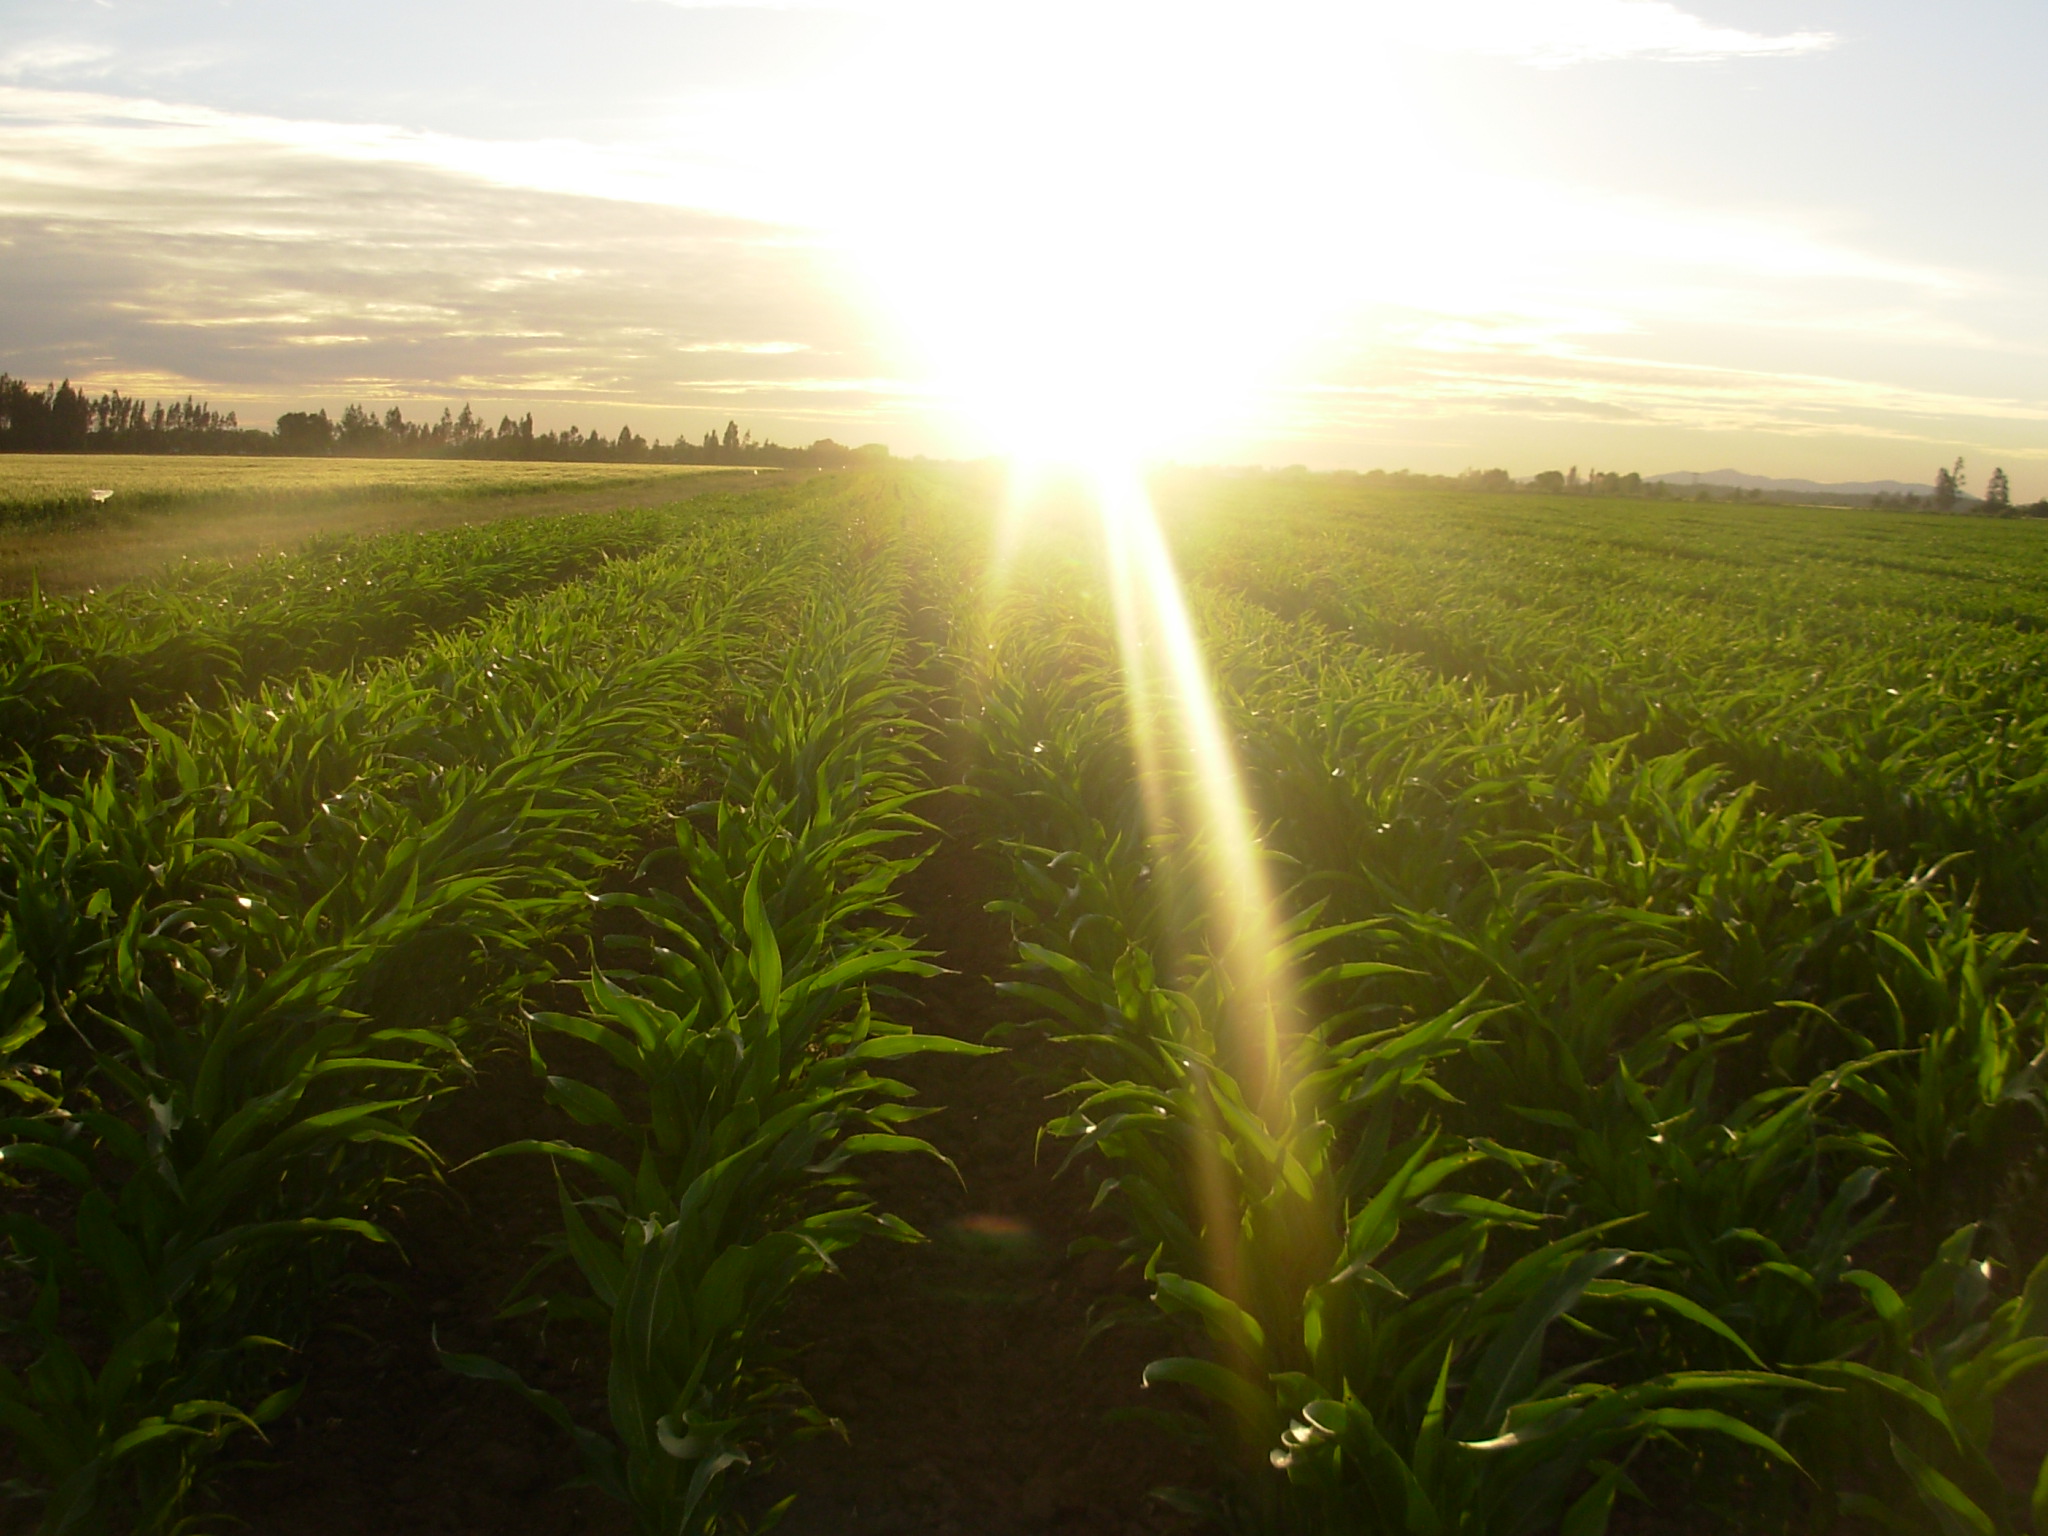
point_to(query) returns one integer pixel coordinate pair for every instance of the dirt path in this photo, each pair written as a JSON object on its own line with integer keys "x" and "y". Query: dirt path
{"x": 958, "y": 1365}
{"x": 142, "y": 545}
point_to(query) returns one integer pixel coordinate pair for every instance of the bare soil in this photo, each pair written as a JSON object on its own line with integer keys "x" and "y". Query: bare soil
{"x": 960, "y": 1368}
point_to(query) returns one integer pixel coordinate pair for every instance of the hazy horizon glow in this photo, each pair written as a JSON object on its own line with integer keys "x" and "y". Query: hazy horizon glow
{"x": 1626, "y": 232}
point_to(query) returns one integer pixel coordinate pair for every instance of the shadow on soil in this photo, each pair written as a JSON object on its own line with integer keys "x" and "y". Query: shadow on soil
{"x": 960, "y": 1368}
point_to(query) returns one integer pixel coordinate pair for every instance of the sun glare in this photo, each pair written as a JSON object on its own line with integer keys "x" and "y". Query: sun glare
{"x": 1140, "y": 219}
{"x": 1139, "y": 223}
{"x": 1125, "y": 221}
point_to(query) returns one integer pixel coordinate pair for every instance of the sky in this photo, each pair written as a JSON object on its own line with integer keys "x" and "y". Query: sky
{"x": 1795, "y": 238}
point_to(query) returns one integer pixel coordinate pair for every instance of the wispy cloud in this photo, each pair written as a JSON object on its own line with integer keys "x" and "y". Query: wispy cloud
{"x": 1050, "y": 159}
{"x": 1551, "y": 33}
{"x": 102, "y": 136}
{"x": 55, "y": 59}
{"x": 1555, "y": 33}
{"x": 1519, "y": 386}
{"x": 748, "y": 348}
{"x": 254, "y": 258}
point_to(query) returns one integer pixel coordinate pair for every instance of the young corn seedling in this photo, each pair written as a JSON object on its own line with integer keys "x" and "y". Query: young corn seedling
{"x": 750, "y": 1035}
{"x": 232, "y": 944}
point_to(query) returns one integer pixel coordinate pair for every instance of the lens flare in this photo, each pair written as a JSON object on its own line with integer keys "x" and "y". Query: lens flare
{"x": 1176, "y": 720}
{"x": 1196, "y": 807}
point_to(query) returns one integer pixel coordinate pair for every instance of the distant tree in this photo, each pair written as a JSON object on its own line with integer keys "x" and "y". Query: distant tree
{"x": 70, "y": 419}
{"x": 62, "y": 418}
{"x": 1998, "y": 491}
{"x": 360, "y": 431}
{"x": 304, "y": 432}
{"x": 1944, "y": 489}
{"x": 50, "y": 421}
{"x": 1550, "y": 482}
{"x": 1571, "y": 480}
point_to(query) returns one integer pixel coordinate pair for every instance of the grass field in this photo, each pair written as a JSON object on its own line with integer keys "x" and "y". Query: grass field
{"x": 1515, "y": 1016}
{"x": 46, "y": 484}
{"x": 169, "y": 512}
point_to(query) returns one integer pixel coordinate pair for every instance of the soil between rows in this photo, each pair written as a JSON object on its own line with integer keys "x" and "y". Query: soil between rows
{"x": 960, "y": 1368}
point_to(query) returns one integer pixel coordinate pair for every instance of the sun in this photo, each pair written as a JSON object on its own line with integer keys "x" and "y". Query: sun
{"x": 1118, "y": 225}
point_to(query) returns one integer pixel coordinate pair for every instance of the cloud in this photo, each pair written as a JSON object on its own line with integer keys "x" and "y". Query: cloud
{"x": 748, "y": 348}
{"x": 1551, "y": 33}
{"x": 55, "y": 58}
{"x": 1403, "y": 382}
{"x": 1555, "y": 33}
{"x": 103, "y": 134}
{"x": 250, "y": 259}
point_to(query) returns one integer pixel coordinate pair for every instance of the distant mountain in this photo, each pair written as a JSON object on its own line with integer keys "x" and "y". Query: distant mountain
{"x": 1737, "y": 479}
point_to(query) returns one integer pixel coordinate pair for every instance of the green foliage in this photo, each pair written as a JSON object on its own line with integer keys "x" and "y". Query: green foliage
{"x": 749, "y": 1038}
{"x": 70, "y": 667}
{"x": 1885, "y": 669}
{"x": 1604, "y": 1068}
{"x": 262, "y": 941}
{"x": 1627, "y": 1091}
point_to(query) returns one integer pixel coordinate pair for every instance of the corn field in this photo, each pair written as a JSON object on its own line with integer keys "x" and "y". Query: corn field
{"x": 1597, "y": 1087}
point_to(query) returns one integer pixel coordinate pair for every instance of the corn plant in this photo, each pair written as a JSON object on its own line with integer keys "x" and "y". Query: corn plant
{"x": 1923, "y": 1383}
{"x": 72, "y": 666}
{"x": 1267, "y": 1224}
{"x": 749, "y": 1032}
{"x": 231, "y": 940}
{"x": 1884, "y": 673}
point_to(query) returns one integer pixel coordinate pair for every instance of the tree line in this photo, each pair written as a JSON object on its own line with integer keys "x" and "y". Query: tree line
{"x": 63, "y": 419}
{"x": 1949, "y": 492}
{"x": 1551, "y": 482}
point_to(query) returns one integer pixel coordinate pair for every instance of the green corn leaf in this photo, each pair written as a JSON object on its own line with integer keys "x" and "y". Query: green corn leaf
{"x": 889, "y": 1047}
{"x": 1956, "y": 1511}
{"x": 1590, "y": 1512}
{"x": 1252, "y": 1407}
{"x": 1716, "y": 1422}
{"x": 1897, "y": 1386}
{"x": 585, "y": 1105}
{"x": 764, "y": 956}
{"x": 600, "y": 1456}
{"x": 1649, "y": 1295}
{"x": 1225, "y": 1319}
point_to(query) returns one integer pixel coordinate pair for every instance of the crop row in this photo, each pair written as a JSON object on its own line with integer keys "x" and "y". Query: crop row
{"x": 1901, "y": 685}
{"x": 1616, "y": 1136}
{"x": 73, "y": 666}
{"x": 240, "y": 959}
{"x": 738, "y": 1011}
